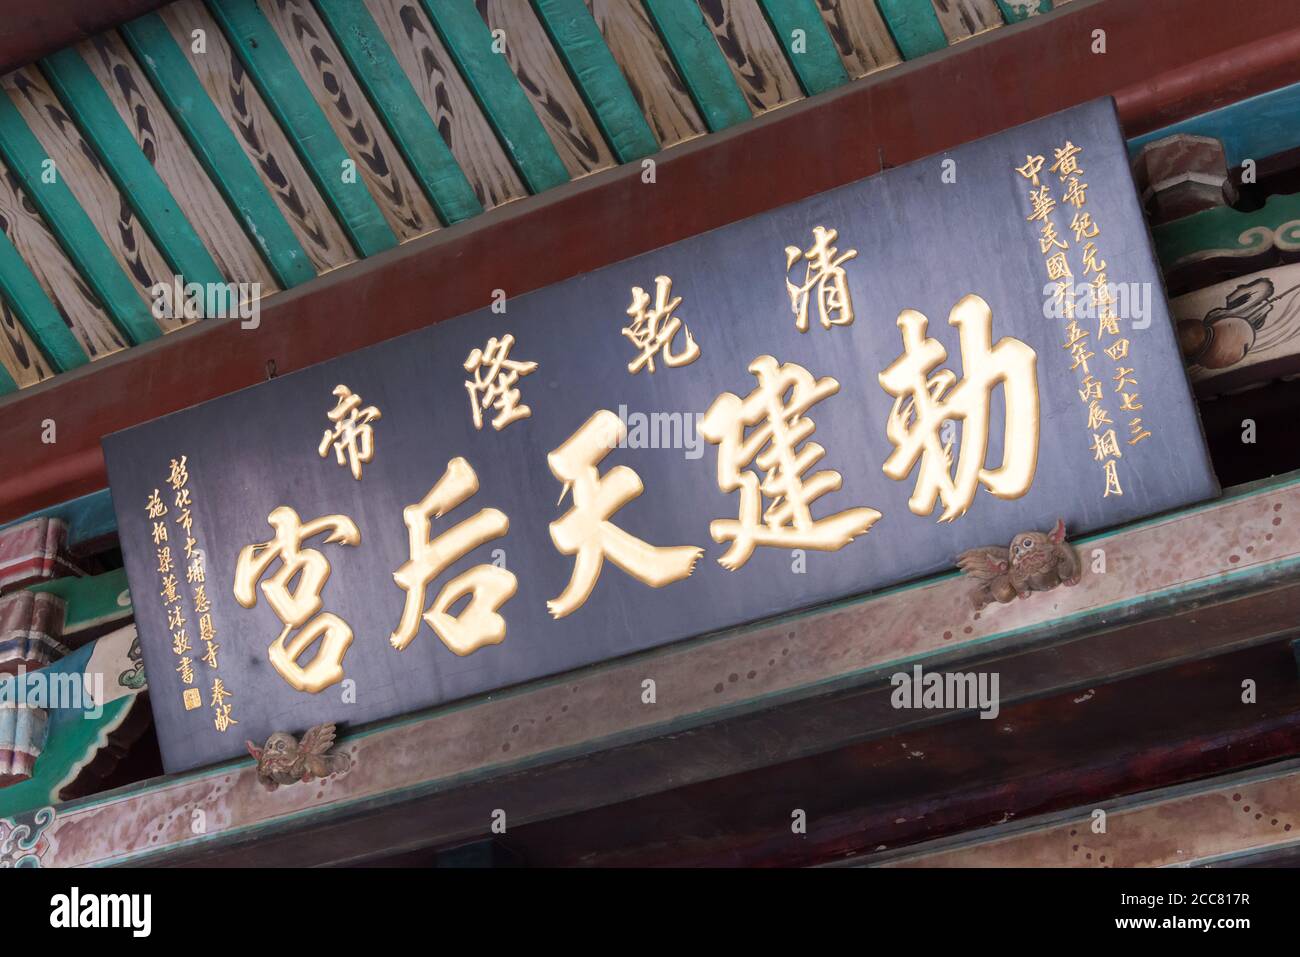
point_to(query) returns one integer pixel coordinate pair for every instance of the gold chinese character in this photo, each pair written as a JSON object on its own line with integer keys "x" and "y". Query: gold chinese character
{"x": 1076, "y": 193}
{"x": 164, "y": 559}
{"x": 178, "y": 474}
{"x": 1097, "y": 415}
{"x": 1058, "y": 267}
{"x": 1043, "y": 203}
{"x": 353, "y": 436}
{"x": 175, "y": 618}
{"x": 488, "y": 586}
{"x": 221, "y": 719}
{"x": 1080, "y": 355}
{"x": 1048, "y": 239}
{"x": 180, "y": 642}
{"x": 194, "y": 572}
{"x": 496, "y": 389}
{"x": 1129, "y": 402}
{"x": 183, "y": 498}
{"x": 1118, "y": 350}
{"x": 654, "y": 328}
{"x": 1091, "y": 389}
{"x": 1033, "y": 166}
{"x": 1090, "y": 260}
{"x": 155, "y": 507}
{"x": 192, "y": 698}
{"x": 1112, "y": 479}
{"x": 201, "y": 603}
{"x": 169, "y": 594}
{"x": 585, "y": 529}
{"x": 186, "y": 670}
{"x": 311, "y": 570}
{"x": 1135, "y": 429}
{"x": 923, "y": 402}
{"x": 825, "y": 270}
{"x": 1123, "y": 376}
{"x": 764, "y": 430}
{"x": 1083, "y": 226}
{"x": 1066, "y": 160}
{"x": 1104, "y": 445}
{"x": 159, "y": 533}
{"x": 210, "y": 657}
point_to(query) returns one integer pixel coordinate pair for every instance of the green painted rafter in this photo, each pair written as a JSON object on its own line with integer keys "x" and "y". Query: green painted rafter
{"x": 914, "y": 26}
{"x": 399, "y": 107}
{"x": 39, "y": 317}
{"x": 504, "y": 103}
{"x": 135, "y": 177}
{"x": 1013, "y": 11}
{"x": 28, "y": 161}
{"x": 596, "y": 74}
{"x": 217, "y": 150}
{"x": 695, "y": 53}
{"x": 290, "y": 99}
{"x": 799, "y": 27}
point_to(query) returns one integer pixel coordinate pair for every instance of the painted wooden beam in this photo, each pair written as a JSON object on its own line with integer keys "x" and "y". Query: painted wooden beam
{"x": 98, "y": 120}
{"x": 1221, "y": 821}
{"x": 1229, "y": 233}
{"x": 701, "y": 186}
{"x": 27, "y": 159}
{"x": 595, "y": 72}
{"x": 470, "y": 43}
{"x": 399, "y": 107}
{"x": 914, "y": 26}
{"x": 702, "y": 66}
{"x": 89, "y": 518}
{"x": 807, "y": 43}
{"x": 772, "y": 692}
{"x": 93, "y": 602}
{"x": 217, "y": 150}
{"x": 39, "y": 317}
{"x": 1254, "y": 128}
{"x": 325, "y": 158}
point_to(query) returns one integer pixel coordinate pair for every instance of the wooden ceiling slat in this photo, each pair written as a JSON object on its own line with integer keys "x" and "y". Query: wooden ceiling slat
{"x": 860, "y": 35}
{"x": 541, "y": 74}
{"x": 962, "y": 19}
{"x": 40, "y": 322}
{"x": 21, "y": 363}
{"x": 379, "y": 163}
{"x": 294, "y": 105}
{"x": 82, "y": 206}
{"x": 914, "y": 25}
{"x": 264, "y": 144}
{"x": 216, "y": 149}
{"x": 447, "y": 99}
{"x": 577, "y": 40}
{"x": 498, "y": 93}
{"x": 753, "y": 53}
{"x": 798, "y": 26}
{"x": 659, "y": 90}
{"x": 135, "y": 177}
{"x": 150, "y": 123}
{"x": 397, "y": 104}
{"x": 706, "y": 72}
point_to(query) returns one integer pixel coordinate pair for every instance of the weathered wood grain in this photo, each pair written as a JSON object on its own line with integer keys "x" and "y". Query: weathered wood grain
{"x": 860, "y": 35}
{"x": 753, "y": 53}
{"x": 378, "y": 159}
{"x": 655, "y": 82}
{"x": 234, "y": 95}
{"x": 543, "y": 78}
{"x": 74, "y": 300}
{"x": 84, "y": 175}
{"x": 962, "y": 19}
{"x": 18, "y": 354}
{"x": 449, "y": 101}
{"x": 165, "y": 148}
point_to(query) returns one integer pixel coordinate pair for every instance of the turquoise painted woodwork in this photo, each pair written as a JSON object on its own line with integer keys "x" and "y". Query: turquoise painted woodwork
{"x": 133, "y": 174}
{"x": 217, "y": 150}
{"x": 504, "y": 103}
{"x": 578, "y": 41}
{"x": 91, "y": 601}
{"x": 88, "y": 517}
{"x": 313, "y": 139}
{"x": 400, "y": 109}
{"x": 39, "y": 317}
{"x": 28, "y": 161}
{"x": 799, "y": 27}
{"x": 703, "y": 68}
{"x": 7, "y": 383}
{"x": 1013, "y": 11}
{"x": 914, "y": 26}
{"x": 1253, "y": 128}
{"x": 1230, "y": 232}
